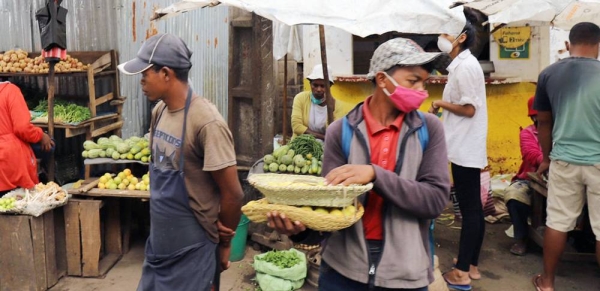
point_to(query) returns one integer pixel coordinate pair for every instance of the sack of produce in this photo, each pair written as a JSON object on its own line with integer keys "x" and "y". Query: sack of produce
{"x": 305, "y": 190}
{"x": 280, "y": 270}
{"x": 34, "y": 202}
{"x": 317, "y": 218}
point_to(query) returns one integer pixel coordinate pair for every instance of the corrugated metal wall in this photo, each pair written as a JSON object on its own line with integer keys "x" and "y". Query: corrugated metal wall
{"x": 124, "y": 25}
{"x": 15, "y": 17}
{"x": 91, "y": 25}
{"x": 206, "y": 31}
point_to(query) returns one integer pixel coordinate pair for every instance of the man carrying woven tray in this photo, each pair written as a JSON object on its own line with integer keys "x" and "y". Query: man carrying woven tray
{"x": 389, "y": 248}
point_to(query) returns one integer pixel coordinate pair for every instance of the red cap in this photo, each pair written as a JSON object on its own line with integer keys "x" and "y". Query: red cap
{"x": 530, "y": 109}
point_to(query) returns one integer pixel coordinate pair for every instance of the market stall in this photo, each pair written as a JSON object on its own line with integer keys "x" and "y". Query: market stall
{"x": 99, "y": 219}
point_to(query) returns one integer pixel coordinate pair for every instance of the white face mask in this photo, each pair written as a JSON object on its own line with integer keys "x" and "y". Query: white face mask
{"x": 445, "y": 45}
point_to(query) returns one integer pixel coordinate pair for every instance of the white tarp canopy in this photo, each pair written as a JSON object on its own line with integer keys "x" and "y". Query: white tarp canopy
{"x": 561, "y": 13}
{"x": 359, "y": 17}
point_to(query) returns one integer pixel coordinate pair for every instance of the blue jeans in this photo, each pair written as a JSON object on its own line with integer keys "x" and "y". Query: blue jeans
{"x": 331, "y": 280}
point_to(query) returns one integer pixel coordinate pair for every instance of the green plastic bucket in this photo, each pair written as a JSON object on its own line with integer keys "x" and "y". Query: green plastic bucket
{"x": 238, "y": 244}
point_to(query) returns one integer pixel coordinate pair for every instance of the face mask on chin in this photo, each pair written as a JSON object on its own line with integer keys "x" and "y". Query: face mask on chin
{"x": 445, "y": 45}
{"x": 405, "y": 99}
{"x": 316, "y": 101}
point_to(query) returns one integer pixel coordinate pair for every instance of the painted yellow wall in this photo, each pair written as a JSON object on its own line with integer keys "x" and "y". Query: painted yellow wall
{"x": 507, "y": 111}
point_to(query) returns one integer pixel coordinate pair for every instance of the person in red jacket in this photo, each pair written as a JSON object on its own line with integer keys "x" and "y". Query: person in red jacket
{"x": 18, "y": 165}
{"x": 518, "y": 195}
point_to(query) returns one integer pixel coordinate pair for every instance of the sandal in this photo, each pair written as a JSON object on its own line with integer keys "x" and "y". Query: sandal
{"x": 535, "y": 280}
{"x": 472, "y": 274}
{"x": 459, "y": 286}
{"x": 518, "y": 249}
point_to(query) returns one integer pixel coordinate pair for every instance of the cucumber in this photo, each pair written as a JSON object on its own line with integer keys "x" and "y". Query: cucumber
{"x": 314, "y": 166}
{"x": 305, "y": 169}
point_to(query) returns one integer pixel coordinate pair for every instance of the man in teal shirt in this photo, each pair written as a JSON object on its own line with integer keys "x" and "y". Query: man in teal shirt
{"x": 568, "y": 104}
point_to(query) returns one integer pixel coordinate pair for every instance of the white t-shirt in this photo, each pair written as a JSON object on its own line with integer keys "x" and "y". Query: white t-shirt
{"x": 317, "y": 120}
{"x": 466, "y": 137}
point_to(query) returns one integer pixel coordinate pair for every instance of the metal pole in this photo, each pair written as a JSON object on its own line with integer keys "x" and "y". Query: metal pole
{"x": 51, "y": 117}
{"x": 329, "y": 99}
{"x": 285, "y": 89}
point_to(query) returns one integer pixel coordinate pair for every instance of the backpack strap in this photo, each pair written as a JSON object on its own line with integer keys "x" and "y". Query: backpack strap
{"x": 347, "y": 133}
{"x": 423, "y": 133}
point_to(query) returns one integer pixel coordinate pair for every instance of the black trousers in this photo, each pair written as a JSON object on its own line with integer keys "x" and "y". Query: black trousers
{"x": 467, "y": 183}
{"x": 2, "y": 193}
{"x": 519, "y": 212}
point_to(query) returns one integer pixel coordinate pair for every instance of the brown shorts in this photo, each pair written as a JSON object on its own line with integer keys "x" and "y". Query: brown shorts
{"x": 569, "y": 187}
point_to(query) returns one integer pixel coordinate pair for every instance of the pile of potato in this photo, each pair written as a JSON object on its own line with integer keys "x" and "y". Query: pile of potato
{"x": 18, "y": 61}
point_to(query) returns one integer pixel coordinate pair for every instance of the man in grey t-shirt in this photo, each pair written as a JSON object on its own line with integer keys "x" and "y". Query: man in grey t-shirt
{"x": 568, "y": 104}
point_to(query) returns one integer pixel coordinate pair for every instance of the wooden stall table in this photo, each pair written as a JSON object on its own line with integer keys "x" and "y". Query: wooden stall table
{"x": 96, "y": 237}
{"x": 538, "y": 219}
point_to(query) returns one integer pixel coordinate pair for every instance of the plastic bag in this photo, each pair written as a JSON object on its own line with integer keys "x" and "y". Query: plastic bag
{"x": 499, "y": 183}
{"x": 294, "y": 273}
{"x": 486, "y": 194}
{"x": 33, "y": 208}
{"x": 272, "y": 283}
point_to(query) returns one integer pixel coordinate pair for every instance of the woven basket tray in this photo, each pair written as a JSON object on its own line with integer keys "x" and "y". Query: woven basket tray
{"x": 257, "y": 212}
{"x": 301, "y": 190}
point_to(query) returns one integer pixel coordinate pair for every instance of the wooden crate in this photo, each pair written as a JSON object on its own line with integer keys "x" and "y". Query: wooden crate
{"x": 93, "y": 236}
{"x": 33, "y": 251}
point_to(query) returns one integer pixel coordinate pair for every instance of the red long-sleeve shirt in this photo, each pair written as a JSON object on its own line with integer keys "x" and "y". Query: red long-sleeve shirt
{"x": 530, "y": 152}
{"x": 18, "y": 166}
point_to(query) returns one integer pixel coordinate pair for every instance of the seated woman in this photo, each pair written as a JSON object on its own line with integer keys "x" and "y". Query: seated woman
{"x": 518, "y": 195}
{"x": 309, "y": 112}
{"x": 18, "y": 165}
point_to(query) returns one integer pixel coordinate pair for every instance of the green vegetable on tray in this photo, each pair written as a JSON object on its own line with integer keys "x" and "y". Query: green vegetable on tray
{"x": 65, "y": 112}
{"x": 301, "y": 156}
{"x": 281, "y": 259}
{"x": 307, "y": 144}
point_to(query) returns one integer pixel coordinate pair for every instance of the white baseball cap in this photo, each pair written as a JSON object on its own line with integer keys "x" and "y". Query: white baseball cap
{"x": 317, "y": 73}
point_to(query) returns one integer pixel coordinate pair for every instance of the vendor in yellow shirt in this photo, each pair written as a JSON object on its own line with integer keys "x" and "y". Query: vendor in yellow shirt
{"x": 309, "y": 113}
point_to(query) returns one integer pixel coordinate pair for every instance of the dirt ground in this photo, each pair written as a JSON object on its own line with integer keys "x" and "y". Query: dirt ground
{"x": 501, "y": 270}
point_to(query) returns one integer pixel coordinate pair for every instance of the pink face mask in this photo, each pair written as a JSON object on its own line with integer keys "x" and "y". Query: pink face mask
{"x": 405, "y": 99}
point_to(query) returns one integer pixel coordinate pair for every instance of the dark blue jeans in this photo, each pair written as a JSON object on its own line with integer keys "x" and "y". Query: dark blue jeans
{"x": 519, "y": 212}
{"x": 331, "y": 280}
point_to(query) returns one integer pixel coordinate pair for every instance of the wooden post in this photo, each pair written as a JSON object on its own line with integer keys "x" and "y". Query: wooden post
{"x": 329, "y": 99}
{"x": 285, "y": 89}
{"x": 51, "y": 73}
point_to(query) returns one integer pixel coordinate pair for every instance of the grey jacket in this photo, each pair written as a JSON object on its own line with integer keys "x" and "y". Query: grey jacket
{"x": 413, "y": 197}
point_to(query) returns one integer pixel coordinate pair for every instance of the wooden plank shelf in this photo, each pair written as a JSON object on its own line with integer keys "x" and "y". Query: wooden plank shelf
{"x": 88, "y": 188}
